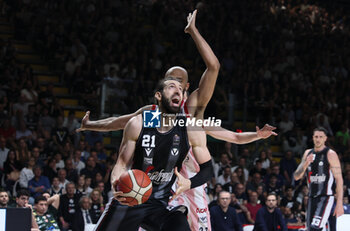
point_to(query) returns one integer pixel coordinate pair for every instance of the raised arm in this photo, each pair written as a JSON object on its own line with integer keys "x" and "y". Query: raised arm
{"x": 108, "y": 124}
{"x": 336, "y": 171}
{"x": 305, "y": 162}
{"x": 221, "y": 133}
{"x": 201, "y": 96}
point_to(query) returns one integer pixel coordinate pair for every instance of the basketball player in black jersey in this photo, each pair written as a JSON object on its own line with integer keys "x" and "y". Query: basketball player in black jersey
{"x": 322, "y": 167}
{"x": 161, "y": 164}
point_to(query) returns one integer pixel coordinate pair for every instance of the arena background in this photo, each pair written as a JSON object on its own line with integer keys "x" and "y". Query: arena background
{"x": 285, "y": 63}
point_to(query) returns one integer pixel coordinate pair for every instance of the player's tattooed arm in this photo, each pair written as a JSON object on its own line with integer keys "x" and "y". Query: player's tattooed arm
{"x": 305, "y": 162}
{"x": 337, "y": 173}
{"x": 108, "y": 124}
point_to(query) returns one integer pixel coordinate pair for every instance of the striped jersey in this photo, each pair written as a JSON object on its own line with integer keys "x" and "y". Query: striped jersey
{"x": 320, "y": 178}
{"x": 157, "y": 154}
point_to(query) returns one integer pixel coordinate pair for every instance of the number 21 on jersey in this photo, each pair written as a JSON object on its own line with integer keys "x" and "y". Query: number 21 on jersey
{"x": 148, "y": 141}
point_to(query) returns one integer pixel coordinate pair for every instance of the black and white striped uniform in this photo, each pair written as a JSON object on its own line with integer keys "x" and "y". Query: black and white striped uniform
{"x": 321, "y": 194}
{"x": 157, "y": 154}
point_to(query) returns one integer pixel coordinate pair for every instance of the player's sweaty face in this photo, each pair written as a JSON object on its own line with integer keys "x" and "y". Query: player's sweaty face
{"x": 172, "y": 95}
{"x": 319, "y": 138}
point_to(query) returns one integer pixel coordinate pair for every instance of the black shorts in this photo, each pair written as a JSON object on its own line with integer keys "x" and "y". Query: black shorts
{"x": 152, "y": 216}
{"x": 318, "y": 211}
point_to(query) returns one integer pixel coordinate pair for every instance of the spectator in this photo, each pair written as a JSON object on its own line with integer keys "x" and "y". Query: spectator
{"x": 273, "y": 187}
{"x": 253, "y": 206}
{"x": 27, "y": 173}
{"x": 72, "y": 174}
{"x": 288, "y": 200}
{"x": 8, "y": 132}
{"x": 83, "y": 217}
{"x": 91, "y": 168}
{"x": 59, "y": 161}
{"x": 60, "y": 135}
{"x": 4, "y": 198}
{"x": 222, "y": 216}
{"x": 225, "y": 177}
{"x": 258, "y": 169}
{"x": 44, "y": 219}
{"x": 219, "y": 167}
{"x": 229, "y": 187}
{"x": 56, "y": 188}
{"x": 62, "y": 178}
{"x": 240, "y": 175}
{"x": 12, "y": 169}
{"x": 50, "y": 169}
{"x": 23, "y": 154}
{"x": 255, "y": 182}
{"x": 241, "y": 194}
{"x": 288, "y": 165}
{"x": 39, "y": 184}
{"x": 213, "y": 196}
{"x": 38, "y": 159}
{"x": 97, "y": 205}
{"x": 71, "y": 123}
{"x": 242, "y": 211}
{"x": 275, "y": 170}
{"x": 265, "y": 159}
{"x": 77, "y": 163}
{"x": 68, "y": 207}
{"x": 84, "y": 152}
{"x": 3, "y": 152}
{"x": 53, "y": 203}
{"x": 22, "y": 200}
{"x": 269, "y": 217}
{"x": 242, "y": 164}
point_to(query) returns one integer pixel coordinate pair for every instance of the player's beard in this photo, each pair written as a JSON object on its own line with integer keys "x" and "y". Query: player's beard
{"x": 165, "y": 103}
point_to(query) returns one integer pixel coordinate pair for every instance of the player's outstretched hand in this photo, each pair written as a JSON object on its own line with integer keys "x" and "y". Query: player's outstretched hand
{"x": 266, "y": 131}
{"x": 191, "y": 22}
{"x": 183, "y": 184}
{"x": 84, "y": 121}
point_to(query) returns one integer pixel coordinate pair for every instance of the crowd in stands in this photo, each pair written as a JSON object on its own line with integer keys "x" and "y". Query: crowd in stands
{"x": 288, "y": 59}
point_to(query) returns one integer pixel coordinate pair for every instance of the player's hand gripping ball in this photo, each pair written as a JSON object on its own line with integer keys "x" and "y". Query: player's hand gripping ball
{"x": 136, "y": 187}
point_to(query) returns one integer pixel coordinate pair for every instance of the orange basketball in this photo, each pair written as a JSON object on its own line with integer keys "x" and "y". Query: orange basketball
{"x": 136, "y": 186}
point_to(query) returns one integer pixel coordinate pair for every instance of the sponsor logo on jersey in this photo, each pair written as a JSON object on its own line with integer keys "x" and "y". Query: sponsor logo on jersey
{"x": 148, "y": 151}
{"x": 203, "y": 220}
{"x": 160, "y": 177}
{"x": 321, "y": 163}
{"x": 176, "y": 140}
{"x": 174, "y": 151}
{"x": 201, "y": 210}
{"x": 148, "y": 161}
{"x": 318, "y": 179}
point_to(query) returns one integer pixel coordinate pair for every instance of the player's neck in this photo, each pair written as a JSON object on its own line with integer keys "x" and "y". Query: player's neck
{"x": 320, "y": 148}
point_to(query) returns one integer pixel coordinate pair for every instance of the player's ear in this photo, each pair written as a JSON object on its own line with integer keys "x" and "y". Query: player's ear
{"x": 187, "y": 86}
{"x": 158, "y": 96}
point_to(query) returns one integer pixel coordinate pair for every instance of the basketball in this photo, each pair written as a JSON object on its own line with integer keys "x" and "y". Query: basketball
{"x": 136, "y": 186}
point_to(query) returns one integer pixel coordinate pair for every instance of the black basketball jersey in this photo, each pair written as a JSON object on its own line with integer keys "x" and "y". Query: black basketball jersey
{"x": 319, "y": 175}
{"x": 158, "y": 154}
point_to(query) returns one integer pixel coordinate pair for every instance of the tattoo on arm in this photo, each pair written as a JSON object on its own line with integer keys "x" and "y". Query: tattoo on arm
{"x": 300, "y": 170}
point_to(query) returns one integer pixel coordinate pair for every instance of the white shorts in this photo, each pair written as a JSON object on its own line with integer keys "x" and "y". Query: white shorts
{"x": 195, "y": 199}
